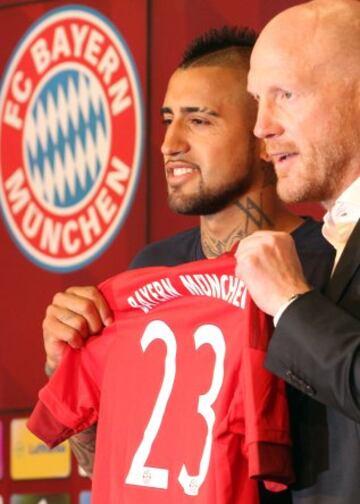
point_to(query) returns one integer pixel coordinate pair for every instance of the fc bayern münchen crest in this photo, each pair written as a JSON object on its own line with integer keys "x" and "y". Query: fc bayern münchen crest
{"x": 71, "y": 135}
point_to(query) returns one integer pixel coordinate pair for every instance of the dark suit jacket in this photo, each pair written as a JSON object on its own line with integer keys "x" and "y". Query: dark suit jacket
{"x": 316, "y": 349}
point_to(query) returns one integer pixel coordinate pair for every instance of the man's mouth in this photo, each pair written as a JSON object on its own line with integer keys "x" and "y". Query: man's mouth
{"x": 280, "y": 157}
{"x": 178, "y": 172}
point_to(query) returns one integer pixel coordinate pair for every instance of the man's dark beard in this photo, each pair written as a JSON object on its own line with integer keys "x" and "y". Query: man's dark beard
{"x": 210, "y": 202}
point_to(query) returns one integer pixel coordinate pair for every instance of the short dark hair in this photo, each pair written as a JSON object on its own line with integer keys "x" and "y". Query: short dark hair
{"x": 211, "y": 46}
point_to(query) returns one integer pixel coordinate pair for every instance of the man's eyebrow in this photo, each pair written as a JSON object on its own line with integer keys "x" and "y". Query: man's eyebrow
{"x": 203, "y": 110}
{"x": 190, "y": 110}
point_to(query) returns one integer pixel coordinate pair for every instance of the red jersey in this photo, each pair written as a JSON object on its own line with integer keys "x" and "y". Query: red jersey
{"x": 186, "y": 411}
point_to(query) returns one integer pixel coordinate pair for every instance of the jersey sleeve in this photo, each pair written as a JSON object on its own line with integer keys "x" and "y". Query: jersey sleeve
{"x": 266, "y": 419}
{"x": 69, "y": 402}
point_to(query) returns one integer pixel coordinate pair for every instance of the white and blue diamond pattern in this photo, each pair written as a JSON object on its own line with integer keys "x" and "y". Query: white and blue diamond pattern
{"x": 67, "y": 138}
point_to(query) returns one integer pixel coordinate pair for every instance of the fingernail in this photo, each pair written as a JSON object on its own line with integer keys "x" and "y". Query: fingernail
{"x": 108, "y": 321}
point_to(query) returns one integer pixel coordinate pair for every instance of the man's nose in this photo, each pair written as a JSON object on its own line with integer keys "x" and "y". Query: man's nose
{"x": 175, "y": 140}
{"x": 267, "y": 121}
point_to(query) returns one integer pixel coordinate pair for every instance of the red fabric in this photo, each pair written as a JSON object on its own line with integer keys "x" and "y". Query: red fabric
{"x": 271, "y": 463}
{"x": 208, "y": 339}
{"x": 46, "y": 427}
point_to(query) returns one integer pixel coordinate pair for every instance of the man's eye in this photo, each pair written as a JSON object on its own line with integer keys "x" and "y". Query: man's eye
{"x": 198, "y": 121}
{"x": 166, "y": 121}
{"x": 286, "y": 95}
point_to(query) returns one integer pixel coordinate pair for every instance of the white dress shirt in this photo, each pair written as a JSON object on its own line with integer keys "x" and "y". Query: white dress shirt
{"x": 341, "y": 218}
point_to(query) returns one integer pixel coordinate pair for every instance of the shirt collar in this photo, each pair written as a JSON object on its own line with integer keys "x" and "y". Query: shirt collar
{"x": 340, "y": 219}
{"x": 351, "y": 195}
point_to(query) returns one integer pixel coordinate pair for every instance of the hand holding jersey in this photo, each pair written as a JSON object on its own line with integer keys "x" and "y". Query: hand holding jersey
{"x": 72, "y": 317}
{"x": 171, "y": 435}
{"x": 268, "y": 263}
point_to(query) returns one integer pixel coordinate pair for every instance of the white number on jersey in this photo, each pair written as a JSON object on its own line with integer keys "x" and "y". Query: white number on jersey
{"x": 142, "y": 475}
{"x": 213, "y": 336}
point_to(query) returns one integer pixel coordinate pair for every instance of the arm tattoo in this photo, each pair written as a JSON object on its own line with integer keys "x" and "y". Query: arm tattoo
{"x": 83, "y": 447}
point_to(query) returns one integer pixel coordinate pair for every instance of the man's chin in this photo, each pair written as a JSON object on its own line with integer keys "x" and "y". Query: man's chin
{"x": 294, "y": 192}
{"x": 207, "y": 202}
{"x": 288, "y": 196}
{"x": 182, "y": 207}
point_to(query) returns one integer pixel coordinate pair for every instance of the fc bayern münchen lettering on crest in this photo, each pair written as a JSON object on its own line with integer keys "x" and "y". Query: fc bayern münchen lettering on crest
{"x": 71, "y": 137}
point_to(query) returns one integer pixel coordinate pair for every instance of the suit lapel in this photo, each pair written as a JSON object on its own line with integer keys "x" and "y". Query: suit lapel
{"x": 346, "y": 267}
